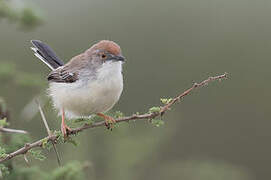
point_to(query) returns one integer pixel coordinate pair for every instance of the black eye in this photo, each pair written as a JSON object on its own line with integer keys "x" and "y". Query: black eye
{"x": 104, "y": 56}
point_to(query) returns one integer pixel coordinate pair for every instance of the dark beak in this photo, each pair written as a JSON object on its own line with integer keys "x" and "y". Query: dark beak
{"x": 118, "y": 58}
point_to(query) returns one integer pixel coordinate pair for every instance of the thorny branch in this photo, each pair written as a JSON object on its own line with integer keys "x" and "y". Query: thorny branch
{"x": 147, "y": 116}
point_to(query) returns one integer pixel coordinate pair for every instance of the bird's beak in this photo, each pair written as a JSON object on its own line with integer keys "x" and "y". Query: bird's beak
{"x": 118, "y": 58}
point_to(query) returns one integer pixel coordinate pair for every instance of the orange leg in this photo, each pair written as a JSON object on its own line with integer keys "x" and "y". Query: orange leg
{"x": 109, "y": 121}
{"x": 64, "y": 127}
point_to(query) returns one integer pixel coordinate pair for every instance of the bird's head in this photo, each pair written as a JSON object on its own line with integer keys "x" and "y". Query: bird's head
{"x": 106, "y": 56}
{"x": 106, "y": 51}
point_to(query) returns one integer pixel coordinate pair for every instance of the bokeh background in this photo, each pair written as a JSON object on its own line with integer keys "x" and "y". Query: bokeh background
{"x": 218, "y": 132}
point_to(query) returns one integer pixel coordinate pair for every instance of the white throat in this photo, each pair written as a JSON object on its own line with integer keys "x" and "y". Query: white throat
{"x": 110, "y": 70}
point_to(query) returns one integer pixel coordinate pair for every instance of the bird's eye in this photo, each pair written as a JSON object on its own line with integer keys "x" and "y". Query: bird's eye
{"x": 103, "y": 56}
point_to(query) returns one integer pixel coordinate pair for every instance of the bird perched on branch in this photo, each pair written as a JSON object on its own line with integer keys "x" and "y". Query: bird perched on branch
{"x": 90, "y": 83}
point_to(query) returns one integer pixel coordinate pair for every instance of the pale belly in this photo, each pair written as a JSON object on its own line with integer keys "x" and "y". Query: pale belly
{"x": 81, "y": 99}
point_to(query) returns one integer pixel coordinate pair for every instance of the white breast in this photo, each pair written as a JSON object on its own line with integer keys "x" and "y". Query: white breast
{"x": 83, "y": 98}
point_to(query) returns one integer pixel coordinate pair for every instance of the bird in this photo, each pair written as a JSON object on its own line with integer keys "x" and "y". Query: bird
{"x": 90, "y": 83}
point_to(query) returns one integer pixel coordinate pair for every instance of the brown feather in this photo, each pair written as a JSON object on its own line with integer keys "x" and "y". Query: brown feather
{"x": 107, "y": 45}
{"x": 69, "y": 72}
{"x": 62, "y": 75}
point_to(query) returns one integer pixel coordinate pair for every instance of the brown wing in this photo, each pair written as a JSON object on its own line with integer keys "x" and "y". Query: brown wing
{"x": 63, "y": 75}
{"x": 69, "y": 72}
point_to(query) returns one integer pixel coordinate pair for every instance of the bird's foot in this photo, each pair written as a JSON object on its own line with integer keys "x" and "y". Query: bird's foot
{"x": 65, "y": 130}
{"x": 109, "y": 121}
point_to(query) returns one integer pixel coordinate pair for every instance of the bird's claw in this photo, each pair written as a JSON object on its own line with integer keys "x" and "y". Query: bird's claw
{"x": 65, "y": 130}
{"x": 109, "y": 122}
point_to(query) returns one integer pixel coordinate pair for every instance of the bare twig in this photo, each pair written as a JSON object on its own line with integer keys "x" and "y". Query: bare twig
{"x": 49, "y": 132}
{"x": 44, "y": 119}
{"x": 147, "y": 116}
{"x": 26, "y": 160}
{"x": 8, "y": 130}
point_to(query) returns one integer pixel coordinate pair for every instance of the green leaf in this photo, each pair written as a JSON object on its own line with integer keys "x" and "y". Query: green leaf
{"x": 79, "y": 120}
{"x": 165, "y": 100}
{"x": 3, "y": 122}
{"x": 157, "y": 122}
{"x": 118, "y": 114}
{"x": 4, "y": 170}
{"x": 154, "y": 109}
{"x": 46, "y": 144}
{"x": 60, "y": 137}
{"x": 2, "y": 153}
{"x": 37, "y": 154}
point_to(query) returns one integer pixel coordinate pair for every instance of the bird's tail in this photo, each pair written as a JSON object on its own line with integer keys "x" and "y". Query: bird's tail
{"x": 46, "y": 54}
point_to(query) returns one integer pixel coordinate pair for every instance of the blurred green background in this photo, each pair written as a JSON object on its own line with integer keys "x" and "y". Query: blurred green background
{"x": 219, "y": 132}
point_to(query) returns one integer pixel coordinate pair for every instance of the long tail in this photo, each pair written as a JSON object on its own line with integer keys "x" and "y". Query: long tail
{"x": 46, "y": 54}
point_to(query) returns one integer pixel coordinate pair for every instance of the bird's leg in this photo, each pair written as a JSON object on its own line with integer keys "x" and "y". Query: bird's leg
{"x": 64, "y": 128}
{"x": 109, "y": 121}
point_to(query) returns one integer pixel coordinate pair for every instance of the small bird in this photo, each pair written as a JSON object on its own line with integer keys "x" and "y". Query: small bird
{"x": 90, "y": 83}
